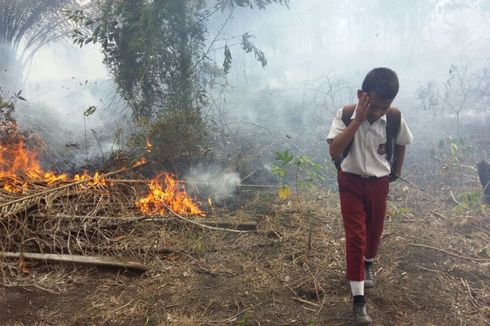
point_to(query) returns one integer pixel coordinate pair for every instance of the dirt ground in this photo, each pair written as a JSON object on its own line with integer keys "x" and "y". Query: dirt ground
{"x": 433, "y": 269}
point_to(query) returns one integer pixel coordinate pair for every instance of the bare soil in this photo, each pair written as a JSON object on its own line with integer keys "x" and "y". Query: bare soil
{"x": 433, "y": 269}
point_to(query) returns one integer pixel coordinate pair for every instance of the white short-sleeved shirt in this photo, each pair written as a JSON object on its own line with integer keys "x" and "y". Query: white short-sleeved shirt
{"x": 366, "y": 156}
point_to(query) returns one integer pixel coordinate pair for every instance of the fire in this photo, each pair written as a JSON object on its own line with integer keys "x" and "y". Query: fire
{"x": 15, "y": 187}
{"x": 52, "y": 178}
{"x": 19, "y": 166}
{"x": 148, "y": 145}
{"x": 80, "y": 177}
{"x": 97, "y": 179}
{"x": 160, "y": 200}
{"x": 20, "y": 169}
{"x": 15, "y": 159}
{"x": 140, "y": 162}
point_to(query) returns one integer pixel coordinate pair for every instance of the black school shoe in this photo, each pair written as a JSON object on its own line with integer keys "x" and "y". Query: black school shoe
{"x": 360, "y": 314}
{"x": 369, "y": 280}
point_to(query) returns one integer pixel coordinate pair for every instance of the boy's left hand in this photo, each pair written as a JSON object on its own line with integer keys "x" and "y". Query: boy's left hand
{"x": 393, "y": 176}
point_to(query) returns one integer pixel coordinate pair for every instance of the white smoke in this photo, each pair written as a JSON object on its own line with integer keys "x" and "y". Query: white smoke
{"x": 212, "y": 182}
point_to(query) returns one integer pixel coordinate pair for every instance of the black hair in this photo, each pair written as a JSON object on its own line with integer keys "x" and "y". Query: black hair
{"x": 382, "y": 81}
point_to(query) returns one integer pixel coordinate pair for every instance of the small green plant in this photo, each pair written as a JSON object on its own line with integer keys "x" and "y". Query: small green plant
{"x": 395, "y": 211}
{"x": 244, "y": 321}
{"x": 199, "y": 247}
{"x": 484, "y": 252}
{"x": 305, "y": 173}
{"x": 470, "y": 201}
{"x": 452, "y": 152}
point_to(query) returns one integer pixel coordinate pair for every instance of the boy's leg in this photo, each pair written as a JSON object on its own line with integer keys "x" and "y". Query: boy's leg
{"x": 352, "y": 203}
{"x": 354, "y": 218}
{"x": 351, "y": 189}
{"x": 376, "y": 209}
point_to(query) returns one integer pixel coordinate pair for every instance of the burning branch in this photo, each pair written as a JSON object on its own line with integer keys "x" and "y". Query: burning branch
{"x": 6, "y": 208}
{"x": 170, "y": 199}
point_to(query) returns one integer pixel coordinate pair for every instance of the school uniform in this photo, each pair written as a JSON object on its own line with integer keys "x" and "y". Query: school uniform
{"x": 363, "y": 181}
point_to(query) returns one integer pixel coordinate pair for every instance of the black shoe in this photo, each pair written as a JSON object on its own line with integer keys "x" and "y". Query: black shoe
{"x": 369, "y": 280}
{"x": 360, "y": 314}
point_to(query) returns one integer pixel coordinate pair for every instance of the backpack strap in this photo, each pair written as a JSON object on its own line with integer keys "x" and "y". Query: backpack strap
{"x": 393, "y": 121}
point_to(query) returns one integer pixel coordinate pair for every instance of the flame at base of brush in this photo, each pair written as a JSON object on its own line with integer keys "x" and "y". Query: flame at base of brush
{"x": 160, "y": 200}
{"x": 19, "y": 167}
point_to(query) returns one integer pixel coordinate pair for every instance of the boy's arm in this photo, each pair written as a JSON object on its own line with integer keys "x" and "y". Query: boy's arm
{"x": 399, "y": 156}
{"x": 404, "y": 138}
{"x": 340, "y": 142}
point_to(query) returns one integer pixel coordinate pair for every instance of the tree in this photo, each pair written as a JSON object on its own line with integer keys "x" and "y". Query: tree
{"x": 25, "y": 26}
{"x": 461, "y": 91}
{"x": 157, "y": 50}
{"x": 158, "y": 54}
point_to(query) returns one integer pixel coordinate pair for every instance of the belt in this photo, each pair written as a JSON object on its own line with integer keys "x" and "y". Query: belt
{"x": 367, "y": 176}
{"x": 364, "y": 176}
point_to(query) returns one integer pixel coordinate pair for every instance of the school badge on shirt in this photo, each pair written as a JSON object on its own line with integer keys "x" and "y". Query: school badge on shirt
{"x": 382, "y": 148}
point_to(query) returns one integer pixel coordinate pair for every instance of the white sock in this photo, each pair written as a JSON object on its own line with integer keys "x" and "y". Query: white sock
{"x": 369, "y": 260}
{"x": 357, "y": 287}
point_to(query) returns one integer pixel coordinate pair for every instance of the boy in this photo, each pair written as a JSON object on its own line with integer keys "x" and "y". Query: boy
{"x": 364, "y": 142}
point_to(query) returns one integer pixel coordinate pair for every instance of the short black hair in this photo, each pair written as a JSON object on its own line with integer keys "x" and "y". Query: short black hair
{"x": 382, "y": 81}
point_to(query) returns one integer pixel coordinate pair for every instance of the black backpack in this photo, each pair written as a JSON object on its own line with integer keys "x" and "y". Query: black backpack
{"x": 393, "y": 121}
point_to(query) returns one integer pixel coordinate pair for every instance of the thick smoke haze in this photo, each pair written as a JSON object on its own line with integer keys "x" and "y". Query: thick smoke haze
{"x": 62, "y": 82}
{"x": 318, "y": 52}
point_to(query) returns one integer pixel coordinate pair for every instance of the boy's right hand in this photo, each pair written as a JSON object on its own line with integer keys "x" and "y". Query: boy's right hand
{"x": 362, "y": 108}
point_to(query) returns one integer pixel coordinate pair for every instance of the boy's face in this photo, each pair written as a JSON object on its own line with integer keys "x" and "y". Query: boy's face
{"x": 379, "y": 105}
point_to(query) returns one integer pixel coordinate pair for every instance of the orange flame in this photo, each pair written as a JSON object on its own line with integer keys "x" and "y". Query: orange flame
{"x": 159, "y": 201}
{"x": 140, "y": 162}
{"x": 97, "y": 179}
{"x": 52, "y": 178}
{"x": 19, "y": 166}
{"x": 148, "y": 145}
{"x": 15, "y": 187}
{"x": 16, "y": 159}
{"x": 80, "y": 177}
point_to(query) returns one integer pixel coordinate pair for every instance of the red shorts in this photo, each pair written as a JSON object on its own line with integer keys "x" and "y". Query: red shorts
{"x": 363, "y": 207}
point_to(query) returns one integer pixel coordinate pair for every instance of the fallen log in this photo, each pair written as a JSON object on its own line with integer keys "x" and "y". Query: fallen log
{"x": 127, "y": 263}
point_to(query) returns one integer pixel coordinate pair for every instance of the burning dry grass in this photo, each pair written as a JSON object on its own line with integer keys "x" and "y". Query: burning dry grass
{"x": 43, "y": 212}
{"x": 82, "y": 215}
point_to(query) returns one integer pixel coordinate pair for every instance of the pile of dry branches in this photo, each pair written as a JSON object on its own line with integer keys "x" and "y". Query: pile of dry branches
{"x": 74, "y": 218}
